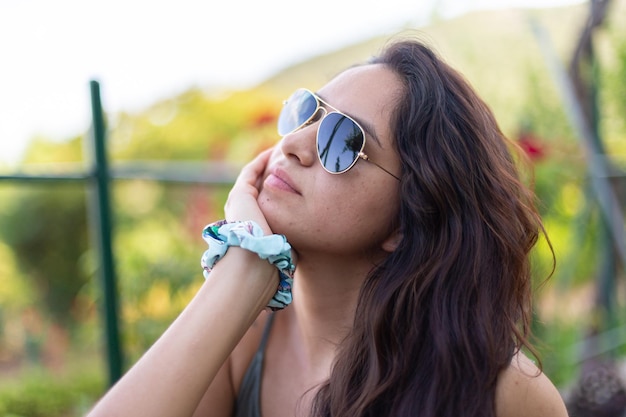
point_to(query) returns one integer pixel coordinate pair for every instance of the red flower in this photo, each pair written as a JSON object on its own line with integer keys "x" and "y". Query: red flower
{"x": 532, "y": 146}
{"x": 264, "y": 118}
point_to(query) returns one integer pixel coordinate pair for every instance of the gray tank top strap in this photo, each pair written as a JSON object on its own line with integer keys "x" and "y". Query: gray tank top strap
{"x": 248, "y": 403}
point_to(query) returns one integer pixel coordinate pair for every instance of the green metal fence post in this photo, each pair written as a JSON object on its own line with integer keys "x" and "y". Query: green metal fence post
{"x": 102, "y": 213}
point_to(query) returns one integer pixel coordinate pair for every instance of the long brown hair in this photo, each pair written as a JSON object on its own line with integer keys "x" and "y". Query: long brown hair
{"x": 444, "y": 313}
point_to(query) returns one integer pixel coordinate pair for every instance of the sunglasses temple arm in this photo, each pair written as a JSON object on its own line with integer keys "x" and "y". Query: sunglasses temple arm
{"x": 367, "y": 158}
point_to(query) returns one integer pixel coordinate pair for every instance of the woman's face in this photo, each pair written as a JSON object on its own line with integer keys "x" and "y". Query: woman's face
{"x": 343, "y": 213}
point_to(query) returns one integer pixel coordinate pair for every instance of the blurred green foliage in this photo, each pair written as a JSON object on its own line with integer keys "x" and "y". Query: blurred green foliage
{"x": 47, "y": 230}
{"x": 42, "y": 394}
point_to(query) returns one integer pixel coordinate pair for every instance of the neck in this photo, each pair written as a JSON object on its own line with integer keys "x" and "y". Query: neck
{"x": 325, "y": 295}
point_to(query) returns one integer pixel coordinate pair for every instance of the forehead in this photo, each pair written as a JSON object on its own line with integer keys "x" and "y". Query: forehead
{"x": 368, "y": 93}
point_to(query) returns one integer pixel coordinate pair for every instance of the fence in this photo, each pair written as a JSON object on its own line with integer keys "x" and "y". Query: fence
{"x": 98, "y": 179}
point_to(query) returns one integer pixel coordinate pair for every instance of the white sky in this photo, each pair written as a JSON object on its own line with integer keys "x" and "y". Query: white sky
{"x": 142, "y": 50}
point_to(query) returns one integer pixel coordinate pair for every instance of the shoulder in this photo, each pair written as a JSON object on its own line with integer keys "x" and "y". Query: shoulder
{"x": 524, "y": 391}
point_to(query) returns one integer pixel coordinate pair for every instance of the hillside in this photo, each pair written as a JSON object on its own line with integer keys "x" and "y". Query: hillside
{"x": 495, "y": 50}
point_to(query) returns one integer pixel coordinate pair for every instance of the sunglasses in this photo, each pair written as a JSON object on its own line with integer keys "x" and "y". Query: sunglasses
{"x": 340, "y": 139}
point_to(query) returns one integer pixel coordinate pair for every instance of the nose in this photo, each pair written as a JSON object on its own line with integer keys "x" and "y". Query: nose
{"x": 300, "y": 145}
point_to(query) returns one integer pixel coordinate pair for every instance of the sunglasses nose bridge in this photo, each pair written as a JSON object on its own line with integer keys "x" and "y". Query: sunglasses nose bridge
{"x": 318, "y": 115}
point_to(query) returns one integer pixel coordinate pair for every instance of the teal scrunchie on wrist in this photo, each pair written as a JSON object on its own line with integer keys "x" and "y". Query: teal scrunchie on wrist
{"x": 249, "y": 235}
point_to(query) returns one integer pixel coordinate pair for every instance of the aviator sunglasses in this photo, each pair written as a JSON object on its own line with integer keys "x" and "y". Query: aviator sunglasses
{"x": 340, "y": 139}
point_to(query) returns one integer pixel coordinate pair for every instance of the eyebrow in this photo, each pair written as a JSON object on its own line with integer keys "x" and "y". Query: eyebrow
{"x": 367, "y": 127}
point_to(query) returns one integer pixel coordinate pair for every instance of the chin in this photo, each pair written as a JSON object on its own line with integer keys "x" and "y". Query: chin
{"x": 271, "y": 213}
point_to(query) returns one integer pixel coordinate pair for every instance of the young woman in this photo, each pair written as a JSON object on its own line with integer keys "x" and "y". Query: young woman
{"x": 411, "y": 232}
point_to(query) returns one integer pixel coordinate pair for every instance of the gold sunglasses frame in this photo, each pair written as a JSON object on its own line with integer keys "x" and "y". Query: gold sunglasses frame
{"x": 320, "y": 106}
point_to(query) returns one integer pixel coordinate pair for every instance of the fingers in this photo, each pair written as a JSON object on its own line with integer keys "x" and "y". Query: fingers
{"x": 263, "y": 158}
{"x": 252, "y": 173}
{"x": 242, "y": 200}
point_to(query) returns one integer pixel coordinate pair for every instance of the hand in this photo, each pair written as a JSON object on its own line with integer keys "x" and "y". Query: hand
{"x": 242, "y": 200}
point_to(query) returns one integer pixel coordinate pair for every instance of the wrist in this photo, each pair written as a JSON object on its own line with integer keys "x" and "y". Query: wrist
{"x": 251, "y": 278}
{"x": 248, "y": 235}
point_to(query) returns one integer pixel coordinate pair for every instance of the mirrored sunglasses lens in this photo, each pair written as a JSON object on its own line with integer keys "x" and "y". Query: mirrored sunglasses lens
{"x": 298, "y": 109}
{"x": 339, "y": 141}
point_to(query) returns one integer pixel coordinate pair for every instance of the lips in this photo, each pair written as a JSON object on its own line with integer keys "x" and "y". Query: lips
{"x": 278, "y": 178}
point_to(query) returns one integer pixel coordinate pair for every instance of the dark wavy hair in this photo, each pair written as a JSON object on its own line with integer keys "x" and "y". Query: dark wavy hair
{"x": 443, "y": 314}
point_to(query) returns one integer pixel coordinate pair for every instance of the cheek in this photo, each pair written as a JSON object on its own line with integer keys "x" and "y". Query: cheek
{"x": 359, "y": 218}
{"x": 334, "y": 216}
